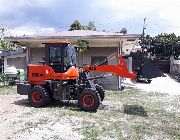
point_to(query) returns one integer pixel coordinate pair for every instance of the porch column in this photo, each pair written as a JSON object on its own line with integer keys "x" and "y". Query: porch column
{"x": 130, "y": 64}
{"x": 5, "y": 64}
{"x": 27, "y": 55}
{"x": 120, "y": 52}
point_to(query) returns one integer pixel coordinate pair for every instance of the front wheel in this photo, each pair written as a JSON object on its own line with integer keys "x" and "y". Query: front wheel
{"x": 38, "y": 97}
{"x": 89, "y": 100}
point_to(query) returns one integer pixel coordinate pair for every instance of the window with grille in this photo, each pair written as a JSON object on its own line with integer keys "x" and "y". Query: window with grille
{"x": 98, "y": 60}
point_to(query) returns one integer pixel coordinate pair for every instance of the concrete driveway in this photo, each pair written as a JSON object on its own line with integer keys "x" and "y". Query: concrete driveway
{"x": 161, "y": 84}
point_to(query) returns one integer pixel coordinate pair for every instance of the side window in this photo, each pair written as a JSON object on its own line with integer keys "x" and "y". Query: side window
{"x": 55, "y": 54}
{"x": 98, "y": 60}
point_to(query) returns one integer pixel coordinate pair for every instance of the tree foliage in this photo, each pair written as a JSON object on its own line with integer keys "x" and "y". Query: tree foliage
{"x": 123, "y": 31}
{"x": 83, "y": 45}
{"x": 76, "y": 25}
{"x": 4, "y": 45}
{"x": 91, "y": 26}
{"x": 161, "y": 46}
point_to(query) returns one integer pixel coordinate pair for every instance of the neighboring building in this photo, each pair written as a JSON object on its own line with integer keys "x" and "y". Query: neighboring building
{"x": 14, "y": 57}
{"x": 102, "y": 45}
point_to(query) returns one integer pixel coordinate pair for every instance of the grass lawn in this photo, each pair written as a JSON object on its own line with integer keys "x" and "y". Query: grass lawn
{"x": 8, "y": 90}
{"x": 130, "y": 114}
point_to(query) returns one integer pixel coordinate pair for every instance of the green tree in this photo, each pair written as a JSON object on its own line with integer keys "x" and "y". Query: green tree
{"x": 83, "y": 45}
{"x": 4, "y": 45}
{"x": 161, "y": 46}
{"x": 76, "y": 25}
{"x": 91, "y": 26}
{"x": 123, "y": 31}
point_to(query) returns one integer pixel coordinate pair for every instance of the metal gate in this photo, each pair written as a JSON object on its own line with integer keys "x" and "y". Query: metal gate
{"x": 163, "y": 65}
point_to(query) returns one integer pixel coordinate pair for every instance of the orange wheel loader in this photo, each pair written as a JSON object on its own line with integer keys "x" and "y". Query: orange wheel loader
{"x": 59, "y": 78}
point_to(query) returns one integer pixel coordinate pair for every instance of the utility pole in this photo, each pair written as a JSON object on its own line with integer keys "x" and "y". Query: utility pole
{"x": 144, "y": 27}
{"x": 120, "y": 52}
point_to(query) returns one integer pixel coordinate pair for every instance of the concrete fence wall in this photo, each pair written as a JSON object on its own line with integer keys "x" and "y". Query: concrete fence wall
{"x": 174, "y": 66}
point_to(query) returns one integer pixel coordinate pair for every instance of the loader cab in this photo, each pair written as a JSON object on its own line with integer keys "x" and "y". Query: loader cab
{"x": 60, "y": 56}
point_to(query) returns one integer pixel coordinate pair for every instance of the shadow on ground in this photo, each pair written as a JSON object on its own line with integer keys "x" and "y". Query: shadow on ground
{"x": 22, "y": 102}
{"x": 135, "y": 110}
{"x": 61, "y": 104}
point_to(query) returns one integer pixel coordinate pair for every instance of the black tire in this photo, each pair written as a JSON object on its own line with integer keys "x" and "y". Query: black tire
{"x": 38, "y": 97}
{"x": 138, "y": 80}
{"x": 50, "y": 93}
{"x": 89, "y": 100}
{"x": 100, "y": 91}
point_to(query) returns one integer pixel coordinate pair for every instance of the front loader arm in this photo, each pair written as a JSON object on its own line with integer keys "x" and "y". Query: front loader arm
{"x": 118, "y": 70}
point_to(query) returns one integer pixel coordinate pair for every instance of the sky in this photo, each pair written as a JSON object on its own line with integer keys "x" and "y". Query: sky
{"x": 45, "y": 16}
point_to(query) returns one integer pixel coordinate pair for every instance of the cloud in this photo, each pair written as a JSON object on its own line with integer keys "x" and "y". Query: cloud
{"x": 111, "y": 15}
{"x": 59, "y": 14}
{"x": 29, "y": 30}
{"x": 162, "y": 16}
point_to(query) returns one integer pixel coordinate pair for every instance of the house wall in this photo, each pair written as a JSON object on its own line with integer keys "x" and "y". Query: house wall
{"x": 110, "y": 82}
{"x": 98, "y": 51}
{"x": 19, "y": 61}
{"x": 35, "y": 55}
{"x": 97, "y": 48}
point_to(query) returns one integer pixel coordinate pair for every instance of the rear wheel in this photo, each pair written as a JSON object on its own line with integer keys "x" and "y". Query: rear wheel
{"x": 89, "y": 100}
{"x": 100, "y": 91}
{"x": 38, "y": 97}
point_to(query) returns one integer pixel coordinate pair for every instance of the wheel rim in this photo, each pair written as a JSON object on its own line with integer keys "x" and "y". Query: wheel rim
{"x": 36, "y": 97}
{"x": 88, "y": 100}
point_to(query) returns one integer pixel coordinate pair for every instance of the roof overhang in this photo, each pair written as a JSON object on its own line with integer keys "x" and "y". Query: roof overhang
{"x": 26, "y": 41}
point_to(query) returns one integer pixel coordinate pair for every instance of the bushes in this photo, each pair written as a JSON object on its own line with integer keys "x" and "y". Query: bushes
{"x": 3, "y": 77}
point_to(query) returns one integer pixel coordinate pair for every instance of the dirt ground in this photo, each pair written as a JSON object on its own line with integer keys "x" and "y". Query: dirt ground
{"x": 8, "y": 111}
{"x": 18, "y": 118}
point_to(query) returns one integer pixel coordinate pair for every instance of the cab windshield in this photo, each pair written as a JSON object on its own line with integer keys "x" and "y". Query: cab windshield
{"x": 70, "y": 56}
